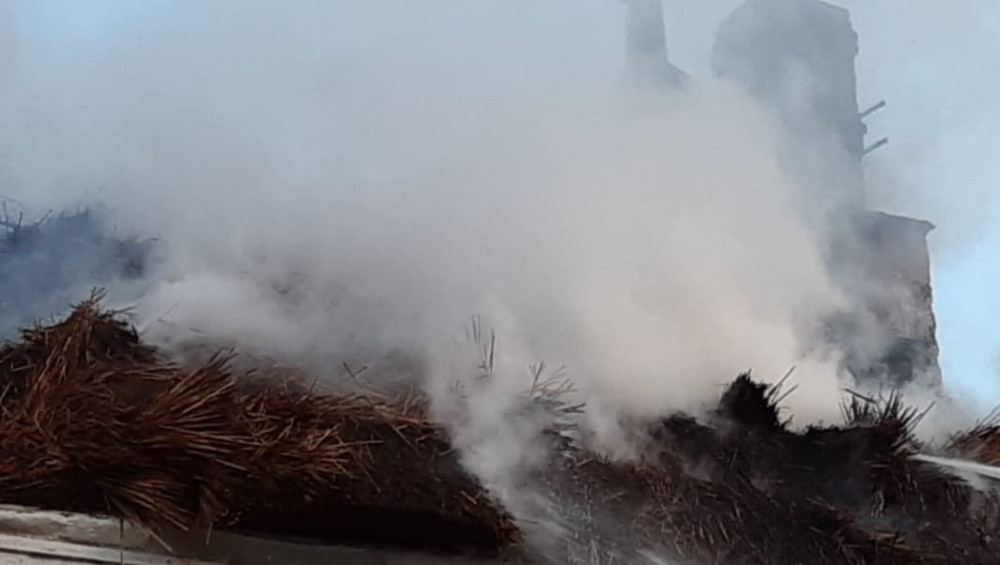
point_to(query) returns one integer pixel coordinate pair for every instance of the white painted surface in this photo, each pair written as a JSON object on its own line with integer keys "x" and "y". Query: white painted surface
{"x": 28, "y": 560}
{"x": 24, "y": 546}
{"x": 36, "y": 537}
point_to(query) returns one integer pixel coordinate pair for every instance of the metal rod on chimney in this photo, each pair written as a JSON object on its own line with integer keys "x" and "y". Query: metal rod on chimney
{"x": 877, "y": 145}
{"x": 872, "y": 110}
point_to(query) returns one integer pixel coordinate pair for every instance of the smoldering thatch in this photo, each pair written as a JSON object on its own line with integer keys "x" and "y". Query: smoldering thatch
{"x": 740, "y": 487}
{"x": 92, "y": 420}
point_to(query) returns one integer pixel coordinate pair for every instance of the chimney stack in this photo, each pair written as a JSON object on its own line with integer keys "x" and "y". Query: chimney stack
{"x": 646, "y": 44}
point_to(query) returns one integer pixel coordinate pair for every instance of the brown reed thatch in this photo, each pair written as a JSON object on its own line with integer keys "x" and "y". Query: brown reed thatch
{"x": 92, "y": 420}
{"x": 982, "y": 443}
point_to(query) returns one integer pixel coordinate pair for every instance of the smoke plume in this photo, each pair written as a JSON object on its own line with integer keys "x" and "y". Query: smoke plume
{"x": 350, "y": 183}
{"x": 341, "y": 183}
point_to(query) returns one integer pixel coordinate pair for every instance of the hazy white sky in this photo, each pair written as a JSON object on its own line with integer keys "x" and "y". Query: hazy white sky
{"x": 937, "y": 64}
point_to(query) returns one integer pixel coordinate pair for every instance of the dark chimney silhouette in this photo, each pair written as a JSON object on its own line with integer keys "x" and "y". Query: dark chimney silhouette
{"x": 646, "y": 44}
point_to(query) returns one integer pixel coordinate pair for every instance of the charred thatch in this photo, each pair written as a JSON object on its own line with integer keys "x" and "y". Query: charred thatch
{"x": 740, "y": 487}
{"x": 95, "y": 421}
{"x": 660, "y": 508}
{"x": 751, "y": 406}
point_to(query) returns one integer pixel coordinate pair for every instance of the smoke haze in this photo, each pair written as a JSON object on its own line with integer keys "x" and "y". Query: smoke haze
{"x": 353, "y": 181}
{"x": 337, "y": 182}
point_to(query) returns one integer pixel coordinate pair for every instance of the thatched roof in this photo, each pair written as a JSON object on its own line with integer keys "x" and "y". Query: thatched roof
{"x": 739, "y": 487}
{"x": 93, "y": 420}
{"x": 981, "y": 443}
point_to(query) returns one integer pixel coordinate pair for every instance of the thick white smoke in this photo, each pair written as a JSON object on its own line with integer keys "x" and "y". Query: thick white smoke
{"x": 351, "y": 182}
{"x": 338, "y": 182}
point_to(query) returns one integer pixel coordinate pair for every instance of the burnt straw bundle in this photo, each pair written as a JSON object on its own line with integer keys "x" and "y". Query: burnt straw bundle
{"x": 92, "y": 420}
{"x": 739, "y": 487}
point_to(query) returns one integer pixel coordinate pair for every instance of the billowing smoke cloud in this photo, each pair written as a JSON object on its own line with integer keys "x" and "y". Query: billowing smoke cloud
{"x": 351, "y": 182}
{"x": 337, "y": 183}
